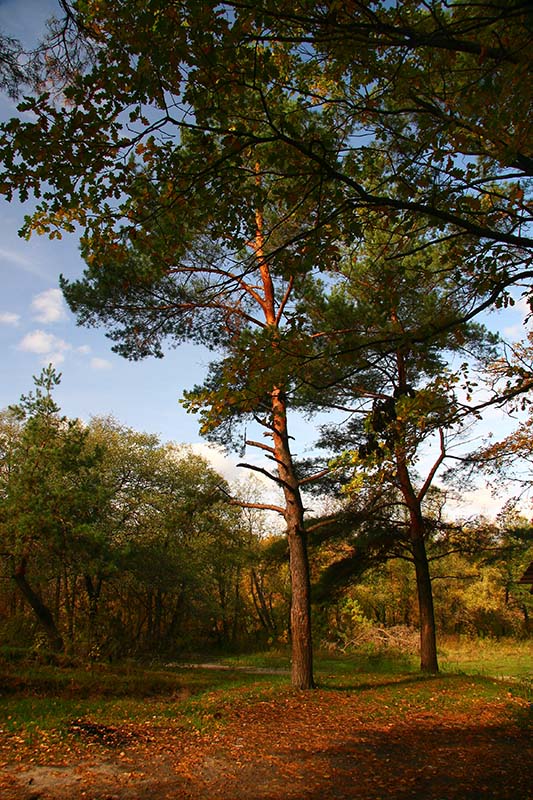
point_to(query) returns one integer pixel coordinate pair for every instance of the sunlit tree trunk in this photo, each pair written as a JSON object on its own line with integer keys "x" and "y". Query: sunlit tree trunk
{"x": 300, "y": 619}
{"x": 301, "y": 634}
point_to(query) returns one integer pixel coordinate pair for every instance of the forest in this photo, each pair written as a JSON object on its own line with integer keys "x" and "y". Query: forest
{"x": 328, "y": 198}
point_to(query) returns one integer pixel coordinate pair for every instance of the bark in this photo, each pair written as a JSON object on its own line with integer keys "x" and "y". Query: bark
{"x": 42, "y": 612}
{"x": 301, "y": 634}
{"x": 262, "y": 609}
{"x": 237, "y": 623}
{"x": 70, "y": 598}
{"x": 413, "y": 501}
{"x": 428, "y": 637}
{"x": 93, "y": 589}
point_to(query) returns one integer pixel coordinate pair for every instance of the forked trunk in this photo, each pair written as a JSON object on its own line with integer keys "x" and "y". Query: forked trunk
{"x": 413, "y": 501}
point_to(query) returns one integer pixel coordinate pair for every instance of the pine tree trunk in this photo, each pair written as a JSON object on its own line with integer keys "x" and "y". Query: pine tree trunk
{"x": 428, "y": 638}
{"x": 301, "y": 638}
{"x": 301, "y": 633}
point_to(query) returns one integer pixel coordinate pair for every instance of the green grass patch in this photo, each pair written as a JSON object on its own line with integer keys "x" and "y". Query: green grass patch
{"x": 42, "y": 697}
{"x": 505, "y": 658}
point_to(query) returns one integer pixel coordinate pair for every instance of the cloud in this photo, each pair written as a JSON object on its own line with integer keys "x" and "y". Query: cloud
{"x": 15, "y": 258}
{"x": 8, "y": 318}
{"x": 484, "y": 501}
{"x": 51, "y": 347}
{"x": 10, "y": 257}
{"x": 219, "y": 460}
{"x": 100, "y": 363}
{"x": 42, "y": 342}
{"x": 49, "y": 306}
{"x": 227, "y": 466}
{"x": 84, "y": 349}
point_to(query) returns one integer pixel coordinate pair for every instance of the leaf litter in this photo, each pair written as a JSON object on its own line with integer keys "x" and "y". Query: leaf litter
{"x": 363, "y": 744}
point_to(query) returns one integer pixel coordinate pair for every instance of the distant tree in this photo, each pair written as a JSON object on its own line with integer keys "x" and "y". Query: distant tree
{"x": 163, "y": 550}
{"x": 92, "y": 513}
{"x": 49, "y": 493}
{"x": 511, "y": 377}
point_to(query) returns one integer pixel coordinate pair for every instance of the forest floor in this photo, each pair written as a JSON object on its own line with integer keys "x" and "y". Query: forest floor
{"x": 394, "y": 737}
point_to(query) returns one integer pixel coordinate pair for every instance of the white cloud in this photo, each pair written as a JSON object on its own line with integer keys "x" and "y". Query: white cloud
{"x": 53, "y": 358}
{"x": 49, "y": 306}
{"x": 513, "y": 332}
{"x": 45, "y": 344}
{"x": 484, "y": 501}
{"x": 12, "y": 257}
{"x": 8, "y": 318}
{"x": 227, "y": 466}
{"x": 38, "y": 342}
{"x": 219, "y": 460}
{"x": 100, "y": 363}
{"x": 15, "y": 258}
{"x": 84, "y": 349}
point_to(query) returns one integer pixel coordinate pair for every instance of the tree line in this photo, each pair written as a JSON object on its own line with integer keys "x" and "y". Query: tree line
{"x": 327, "y": 197}
{"x": 116, "y": 545}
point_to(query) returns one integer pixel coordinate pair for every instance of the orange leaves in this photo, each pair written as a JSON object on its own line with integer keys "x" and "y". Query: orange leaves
{"x": 388, "y": 736}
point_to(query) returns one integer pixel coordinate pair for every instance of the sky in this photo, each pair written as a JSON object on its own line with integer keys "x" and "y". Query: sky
{"x": 37, "y": 328}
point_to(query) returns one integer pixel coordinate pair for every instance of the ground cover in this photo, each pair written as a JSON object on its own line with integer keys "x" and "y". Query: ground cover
{"x": 133, "y": 733}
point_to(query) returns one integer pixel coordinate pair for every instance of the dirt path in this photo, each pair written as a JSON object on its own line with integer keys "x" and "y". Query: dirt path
{"x": 321, "y": 745}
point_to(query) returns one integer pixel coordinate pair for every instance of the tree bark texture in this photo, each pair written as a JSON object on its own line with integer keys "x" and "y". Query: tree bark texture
{"x": 301, "y": 633}
{"x": 413, "y": 501}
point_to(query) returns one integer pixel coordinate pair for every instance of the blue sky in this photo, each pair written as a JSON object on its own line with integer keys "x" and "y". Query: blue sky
{"x": 36, "y": 327}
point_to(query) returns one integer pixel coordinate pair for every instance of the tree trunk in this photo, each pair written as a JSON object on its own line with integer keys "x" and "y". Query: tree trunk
{"x": 413, "y": 501}
{"x": 428, "y": 638}
{"x": 70, "y": 598}
{"x": 262, "y": 610}
{"x": 301, "y": 638}
{"x": 93, "y": 589}
{"x": 42, "y": 612}
{"x": 301, "y": 634}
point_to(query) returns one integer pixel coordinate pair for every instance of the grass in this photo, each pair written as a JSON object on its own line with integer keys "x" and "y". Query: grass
{"x": 504, "y": 658}
{"x": 497, "y": 659}
{"x": 36, "y": 698}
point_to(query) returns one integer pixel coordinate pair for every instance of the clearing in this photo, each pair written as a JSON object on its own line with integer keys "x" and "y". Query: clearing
{"x": 367, "y": 737}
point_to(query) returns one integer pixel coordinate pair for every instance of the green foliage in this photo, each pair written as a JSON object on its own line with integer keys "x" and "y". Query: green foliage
{"x": 120, "y": 543}
{"x": 50, "y": 492}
